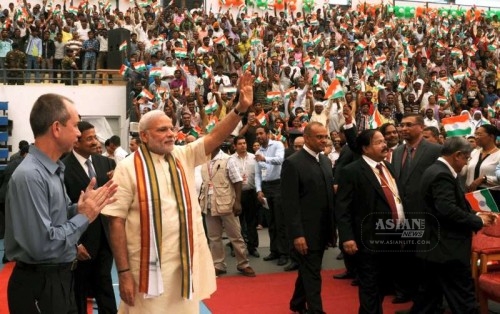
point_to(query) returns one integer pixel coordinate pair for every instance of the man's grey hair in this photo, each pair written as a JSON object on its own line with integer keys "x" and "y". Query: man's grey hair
{"x": 149, "y": 117}
{"x": 456, "y": 144}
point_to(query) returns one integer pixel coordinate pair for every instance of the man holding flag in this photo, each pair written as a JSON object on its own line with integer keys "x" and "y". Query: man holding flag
{"x": 446, "y": 244}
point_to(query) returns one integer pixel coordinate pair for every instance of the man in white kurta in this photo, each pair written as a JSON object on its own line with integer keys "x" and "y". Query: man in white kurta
{"x": 158, "y": 135}
{"x": 127, "y": 207}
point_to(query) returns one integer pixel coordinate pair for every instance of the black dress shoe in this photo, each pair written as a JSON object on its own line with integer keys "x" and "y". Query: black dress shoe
{"x": 346, "y": 275}
{"x": 271, "y": 257}
{"x": 283, "y": 260}
{"x": 401, "y": 299}
{"x": 254, "y": 253}
{"x": 291, "y": 267}
{"x": 355, "y": 282}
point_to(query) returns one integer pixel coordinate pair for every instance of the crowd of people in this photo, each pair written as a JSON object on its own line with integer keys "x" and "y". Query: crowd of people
{"x": 340, "y": 109}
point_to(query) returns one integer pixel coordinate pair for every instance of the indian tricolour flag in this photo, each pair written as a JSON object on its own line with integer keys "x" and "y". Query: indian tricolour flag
{"x": 456, "y": 53}
{"x": 404, "y": 62}
{"x": 123, "y": 46}
{"x": 375, "y": 120}
{"x": 140, "y": 66}
{"x": 156, "y": 71}
{"x": 146, "y": 93}
{"x": 221, "y": 40}
{"x": 361, "y": 45}
{"x": 272, "y": 96}
{"x": 212, "y": 106}
{"x": 317, "y": 79}
{"x": 317, "y": 39}
{"x": 459, "y": 76}
{"x": 457, "y": 126}
{"x": 180, "y": 52}
{"x": 380, "y": 60}
{"x": 211, "y": 124}
{"x": 262, "y": 118}
{"x": 73, "y": 10}
{"x": 482, "y": 201}
{"x": 401, "y": 86}
{"x": 287, "y": 93}
{"x": 124, "y": 70}
{"x": 442, "y": 100}
{"x": 334, "y": 90}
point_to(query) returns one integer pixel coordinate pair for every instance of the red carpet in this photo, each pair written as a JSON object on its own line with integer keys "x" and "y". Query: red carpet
{"x": 4, "y": 281}
{"x": 270, "y": 294}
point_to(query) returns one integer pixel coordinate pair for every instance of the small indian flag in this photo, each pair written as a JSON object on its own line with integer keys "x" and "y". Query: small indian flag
{"x": 361, "y": 45}
{"x": 492, "y": 47}
{"x": 456, "y": 53}
{"x": 146, "y": 93}
{"x": 404, "y": 62}
{"x": 272, "y": 96}
{"x": 314, "y": 21}
{"x": 140, "y": 66}
{"x": 212, "y": 106}
{"x": 259, "y": 79}
{"x": 208, "y": 73}
{"x": 180, "y": 52}
{"x": 156, "y": 71}
{"x": 73, "y": 10}
{"x": 459, "y": 75}
{"x": 457, "y": 126}
{"x": 123, "y": 46}
{"x": 124, "y": 70}
{"x": 221, "y": 40}
{"x": 440, "y": 44}
{"x": 287, "y": 93}
{"x": 317, "y": 79}
{"x": 375, "y": 120}
{"x": 401, "y": 86}
{"x": 255, "y": 42}
{"x": 316, "y": 39}
{"x": 482, "y": 201}
{"x": 262, "y": 118}
{"x": 442, "y": 100}
{"x": 300, "y": 20}
{"x": 247, "y": 66}
{"x": 306, "y": 62}
{"x": 211, "y": 124}
{"x": 343, "y": 27}
{"x": 380, "y": 60}
{"x": 339, "y": 76}
{"x": 334, "y": 90}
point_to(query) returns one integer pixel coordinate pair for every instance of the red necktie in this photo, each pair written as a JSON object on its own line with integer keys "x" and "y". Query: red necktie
{"x": 387, "y": 191}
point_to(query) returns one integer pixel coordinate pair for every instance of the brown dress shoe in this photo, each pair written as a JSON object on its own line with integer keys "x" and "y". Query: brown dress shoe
{"x": 247, "y": 271}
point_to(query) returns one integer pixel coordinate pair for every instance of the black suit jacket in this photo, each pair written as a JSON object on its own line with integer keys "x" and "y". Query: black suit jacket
{"x": 307, "y": 191}
{"x": 76, "y": 180}
{"x": 360, "y": 203}
{"x": 425, "y": 155}
{"x": 449, "y": 220}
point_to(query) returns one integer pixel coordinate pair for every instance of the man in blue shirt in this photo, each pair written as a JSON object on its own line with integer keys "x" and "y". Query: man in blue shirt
{"x": 42, "y": 226}
{"x": 269, "y": 158}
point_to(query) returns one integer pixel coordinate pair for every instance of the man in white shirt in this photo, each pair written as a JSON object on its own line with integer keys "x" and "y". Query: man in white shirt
{"x": 118, "y": 152}
{"x": 429, "y": 119}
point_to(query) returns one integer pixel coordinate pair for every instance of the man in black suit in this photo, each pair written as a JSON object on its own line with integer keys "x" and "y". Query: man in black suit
{"x": 367, "y": 197}
{"x": 410, "y": 160}
{"x": 447, "y": 240}
{"x": 95, "y": 259}
{"x": 307, "y": 181}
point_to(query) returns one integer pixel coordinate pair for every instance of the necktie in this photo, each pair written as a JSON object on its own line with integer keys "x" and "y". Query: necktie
{"x": 91, "y": 172}
{"x": 387, "y": 191}
{"x": 405, "y": 171}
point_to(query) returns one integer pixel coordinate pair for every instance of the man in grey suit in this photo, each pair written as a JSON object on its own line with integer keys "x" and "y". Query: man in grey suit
{"x": 410, "y": 160}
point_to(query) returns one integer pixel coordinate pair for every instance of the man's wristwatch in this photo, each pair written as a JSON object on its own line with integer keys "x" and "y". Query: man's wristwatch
{"x": 239, "y": 113}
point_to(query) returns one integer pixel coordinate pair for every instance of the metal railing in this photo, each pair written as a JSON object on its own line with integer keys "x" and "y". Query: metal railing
{"x": 67, "y": 77}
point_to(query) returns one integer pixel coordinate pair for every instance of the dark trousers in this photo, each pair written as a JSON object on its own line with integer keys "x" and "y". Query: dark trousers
{"x": 373, "y": 269}
{"x": 276, "y": 222}
{"x": 454, "y": 280}
{"x": 95, "y": 276}
{"x": 248, "y": 219}
{"x": 308, "y": 283}
{"x": 38, "y": 291}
